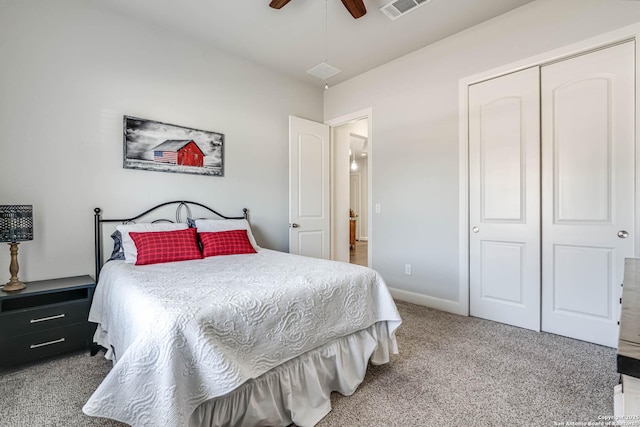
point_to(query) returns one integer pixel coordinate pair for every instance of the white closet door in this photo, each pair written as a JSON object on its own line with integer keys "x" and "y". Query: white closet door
{"x": 587, "y": 191}
{"x": 504, "y": 192}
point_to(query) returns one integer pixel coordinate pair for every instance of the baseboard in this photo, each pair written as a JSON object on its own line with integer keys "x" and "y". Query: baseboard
{"x": 425, "y": 300}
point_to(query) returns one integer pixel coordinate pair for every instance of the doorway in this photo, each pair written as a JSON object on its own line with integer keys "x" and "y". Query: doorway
{"x": 319, "y": 187}
{"x": 351, "y": 190}
{"x": 358, "y": 200}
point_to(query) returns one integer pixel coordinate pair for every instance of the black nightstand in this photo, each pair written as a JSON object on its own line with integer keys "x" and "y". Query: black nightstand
{"x": 48, "y": 317}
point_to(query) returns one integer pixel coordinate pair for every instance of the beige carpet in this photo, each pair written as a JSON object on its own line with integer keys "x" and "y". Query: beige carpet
{"x": 451, "y": 371}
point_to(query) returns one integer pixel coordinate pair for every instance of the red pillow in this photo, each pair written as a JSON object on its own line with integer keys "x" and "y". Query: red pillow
{"x": 231, "y": 242}
{"x": 166, "y": 246}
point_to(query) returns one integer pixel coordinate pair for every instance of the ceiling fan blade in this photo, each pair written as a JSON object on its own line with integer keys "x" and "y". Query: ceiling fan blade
{"x": 277, "y": 4}
{"x": 355, "y": 7}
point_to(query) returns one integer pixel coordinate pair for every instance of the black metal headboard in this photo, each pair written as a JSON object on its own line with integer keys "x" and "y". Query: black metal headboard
{"x": 181, "y": 205}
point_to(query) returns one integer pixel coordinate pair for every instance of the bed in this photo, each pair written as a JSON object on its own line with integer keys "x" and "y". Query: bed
{"x": 242, "y": 339}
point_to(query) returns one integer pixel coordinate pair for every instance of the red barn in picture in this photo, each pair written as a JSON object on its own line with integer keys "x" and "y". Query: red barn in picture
{"x": 183, "y": 152}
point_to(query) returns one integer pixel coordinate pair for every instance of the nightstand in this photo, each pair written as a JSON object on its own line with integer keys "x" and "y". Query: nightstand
{"x": 47, "y": 318}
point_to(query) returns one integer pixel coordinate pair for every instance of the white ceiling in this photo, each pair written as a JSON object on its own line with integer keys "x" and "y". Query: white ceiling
{"x": 292, "y": 40}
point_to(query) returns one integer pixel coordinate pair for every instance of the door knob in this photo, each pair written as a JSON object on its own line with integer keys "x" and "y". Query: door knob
{"x": 294, "y": 225}
{"x": 623, "y": 234}
{"x": 475, "y": 229}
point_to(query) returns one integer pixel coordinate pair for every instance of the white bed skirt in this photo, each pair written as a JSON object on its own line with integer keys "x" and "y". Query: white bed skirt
{"x": 298, "y": 391}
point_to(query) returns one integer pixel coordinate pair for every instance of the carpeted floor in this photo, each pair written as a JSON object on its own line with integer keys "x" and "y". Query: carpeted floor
{"x": 451, "y": 371}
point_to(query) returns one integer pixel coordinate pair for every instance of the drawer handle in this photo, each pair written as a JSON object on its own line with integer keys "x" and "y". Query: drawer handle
{"x": 44, "y": 319}
{"x": 46, "y": 343}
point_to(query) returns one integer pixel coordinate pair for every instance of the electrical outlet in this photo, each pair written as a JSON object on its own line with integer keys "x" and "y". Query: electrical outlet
{"x": 407, "y": 269}
{"x": 377, "y": 207}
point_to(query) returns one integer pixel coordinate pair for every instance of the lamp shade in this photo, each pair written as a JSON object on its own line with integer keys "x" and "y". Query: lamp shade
{"x": 16, "y": 223}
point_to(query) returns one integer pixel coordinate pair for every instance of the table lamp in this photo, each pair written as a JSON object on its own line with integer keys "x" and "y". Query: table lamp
{"x": 16, "y": 225}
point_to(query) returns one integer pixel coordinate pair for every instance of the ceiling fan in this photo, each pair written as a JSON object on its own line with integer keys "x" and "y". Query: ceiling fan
{"x": 355, "y": 7}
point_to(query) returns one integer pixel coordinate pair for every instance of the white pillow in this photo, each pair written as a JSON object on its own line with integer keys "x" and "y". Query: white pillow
{"x": 214, "y": 225}
{"x": 130, "y": 251}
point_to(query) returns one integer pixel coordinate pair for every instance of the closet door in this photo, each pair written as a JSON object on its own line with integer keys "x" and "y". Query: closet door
{"x": 504, "y": 199}
{"x": 587, "y": 191}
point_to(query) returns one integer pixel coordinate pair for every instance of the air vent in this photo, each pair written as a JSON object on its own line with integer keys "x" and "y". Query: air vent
{"x": 323, "y": 71}
{"x": 397, "y": 8}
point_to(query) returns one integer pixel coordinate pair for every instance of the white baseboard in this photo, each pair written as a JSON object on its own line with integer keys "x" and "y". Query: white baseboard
{"x": 427, "y": 301}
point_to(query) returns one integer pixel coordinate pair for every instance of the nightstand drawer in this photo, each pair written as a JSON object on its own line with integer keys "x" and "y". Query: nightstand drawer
{"x": 34, "y": 346}
{"x": 42, "y": 318}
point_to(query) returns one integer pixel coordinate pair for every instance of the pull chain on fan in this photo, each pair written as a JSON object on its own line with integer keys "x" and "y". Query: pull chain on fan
{"x": 323, "y": 70}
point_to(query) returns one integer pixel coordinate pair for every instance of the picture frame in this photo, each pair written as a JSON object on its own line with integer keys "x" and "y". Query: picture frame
{"x": 163, "y": 147}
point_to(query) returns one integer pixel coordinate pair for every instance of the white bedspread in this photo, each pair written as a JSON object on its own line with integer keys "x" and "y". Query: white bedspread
{"x": 186, "y": 332}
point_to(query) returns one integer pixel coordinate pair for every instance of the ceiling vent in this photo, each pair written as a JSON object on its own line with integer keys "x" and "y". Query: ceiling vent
{"x": 323, "y": 71}
{"x": 397, "y": 8}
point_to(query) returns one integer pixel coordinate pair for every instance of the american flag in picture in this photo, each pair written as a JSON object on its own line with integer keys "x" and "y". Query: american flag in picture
{"x": 165, "y": 157}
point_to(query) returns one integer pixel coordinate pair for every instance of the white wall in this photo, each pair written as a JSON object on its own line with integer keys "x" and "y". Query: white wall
{"x": 414, "y": 103}
{"x": 71, "y": 70}
{"x": 340, "y": 192}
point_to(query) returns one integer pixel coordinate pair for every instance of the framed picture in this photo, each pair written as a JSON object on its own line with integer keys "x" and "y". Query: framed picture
{"x": 162, "y": 147}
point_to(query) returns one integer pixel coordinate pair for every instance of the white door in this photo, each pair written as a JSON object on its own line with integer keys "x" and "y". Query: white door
{"x": 588, "y": 191}
{"x": 504, "y": 199}
{"x": 309, "y": 191}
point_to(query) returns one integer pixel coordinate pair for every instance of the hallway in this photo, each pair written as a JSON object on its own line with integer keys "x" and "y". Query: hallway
{"x": 359, "y": 255}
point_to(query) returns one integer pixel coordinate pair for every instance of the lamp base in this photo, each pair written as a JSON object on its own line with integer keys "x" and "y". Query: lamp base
{"x": 13, "y": 286}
